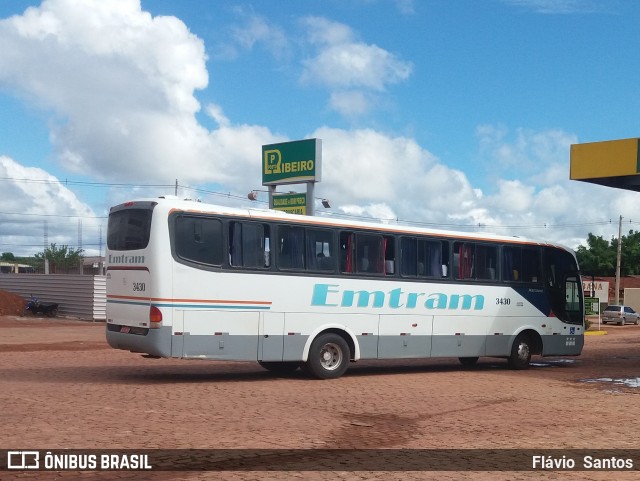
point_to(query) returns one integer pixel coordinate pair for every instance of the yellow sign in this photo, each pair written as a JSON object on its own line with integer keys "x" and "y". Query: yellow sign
{"x": 600, "y": 160}
{"x": 272, "y": 162}
{"x": 291, "y": 203}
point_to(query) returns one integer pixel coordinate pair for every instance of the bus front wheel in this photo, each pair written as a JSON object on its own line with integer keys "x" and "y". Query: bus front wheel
{"x": 520, "y": 353}
{"x": 328, "y": 357}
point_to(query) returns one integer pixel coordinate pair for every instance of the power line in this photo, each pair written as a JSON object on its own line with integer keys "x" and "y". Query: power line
{"x": 229, "y": 195}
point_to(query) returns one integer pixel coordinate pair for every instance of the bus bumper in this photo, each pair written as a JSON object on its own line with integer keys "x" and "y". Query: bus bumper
{"x": 155, "y": 342}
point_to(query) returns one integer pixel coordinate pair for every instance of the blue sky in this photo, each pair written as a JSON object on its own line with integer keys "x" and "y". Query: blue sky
{"x": 454, "y": 113}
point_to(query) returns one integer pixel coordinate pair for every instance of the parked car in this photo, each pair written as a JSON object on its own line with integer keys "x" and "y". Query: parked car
{"x": 620, "y": 315}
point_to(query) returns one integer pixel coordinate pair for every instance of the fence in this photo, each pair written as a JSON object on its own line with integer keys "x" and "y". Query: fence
{"x": 80, "y": 296}
{"x": 86, "y": 266}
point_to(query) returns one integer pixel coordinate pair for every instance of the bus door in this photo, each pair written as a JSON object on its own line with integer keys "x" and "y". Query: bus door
{"x": 574, "y": 300}
{"x": 564, "y": 286}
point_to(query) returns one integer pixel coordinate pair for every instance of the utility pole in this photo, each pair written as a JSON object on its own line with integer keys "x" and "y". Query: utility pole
{"x": 618, "y": 262}
{"x": 176, "y": 194}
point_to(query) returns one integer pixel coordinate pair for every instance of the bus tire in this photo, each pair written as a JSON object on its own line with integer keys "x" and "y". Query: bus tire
{"x": 520, "y": 353}
{"x": 281, "y": 367}
{"x": 468, "y": 361}
{"x": 329, "y": 357}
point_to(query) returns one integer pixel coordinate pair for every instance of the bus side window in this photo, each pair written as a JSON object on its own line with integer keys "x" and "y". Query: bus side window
{"x": 199, "y": 239}
{"x": 389, "y": 256}
{"x": 370, "y": 253}
{"x": 409, "y": 256}
{"x": 520, "y": 264}
{"x": 463, "y": 260}
{"x": 320, "y": 254}
{"x": 486, "y": 262}
{"x": 248, "y": 244}
{"x": 291, "y": 247}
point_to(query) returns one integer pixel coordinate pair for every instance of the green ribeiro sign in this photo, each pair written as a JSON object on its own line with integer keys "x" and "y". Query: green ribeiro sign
{"x": 291, "y": 162}
{"x": 291, "y": 203}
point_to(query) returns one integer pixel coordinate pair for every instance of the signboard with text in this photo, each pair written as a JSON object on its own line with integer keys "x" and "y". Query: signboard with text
{"x": 291, "y": 162}
{"x": 599, "y": 289}
{"x": 291, "y": 203}
{"x": 591, "y": 306}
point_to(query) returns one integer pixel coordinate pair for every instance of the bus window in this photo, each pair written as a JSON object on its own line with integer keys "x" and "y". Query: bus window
{"x": 129, "y": 229}
{"x": 320, "y": 250}
{"x": 370, "y": 251}
{"x": 424, "y": 258}
{"x": 249, "y": 244}
{"x": 475, "y": 261}
{"x": 389, "y": 256}
{"x": 520, "y": 264}
{"x": 291, "y": 247}
{"x": 199, "y": 239}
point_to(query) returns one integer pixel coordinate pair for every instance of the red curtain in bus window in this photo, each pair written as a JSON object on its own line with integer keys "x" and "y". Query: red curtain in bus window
{"x": 383, "y": 249}
{"x": 349, "y": 267}
{"x": 466, "y": 261}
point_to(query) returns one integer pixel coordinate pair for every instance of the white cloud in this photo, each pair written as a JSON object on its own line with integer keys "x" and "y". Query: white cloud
{"x": 531, "y": 172}
{"x": 350, "y": 102}
{"x": 118, "y": 83}
{"x": 406, "y": 7}
{"x": 119, "y": 86}
{"x": 368, "y": 168}
{"x": 558, "y": 6}
{"x": 346, "y": 65}
{"x": 342, "y": 61}
{"x": 256, "y": 29}
{"x": 540, "y": 156}
{"x": 35, "y": 204}
{"x": 512, "y": 196}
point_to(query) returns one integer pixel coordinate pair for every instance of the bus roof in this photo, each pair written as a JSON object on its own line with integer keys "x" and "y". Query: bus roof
{"x": 170, "y": 203}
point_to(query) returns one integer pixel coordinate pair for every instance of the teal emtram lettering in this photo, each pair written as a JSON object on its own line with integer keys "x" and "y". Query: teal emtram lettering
{"x": 330, "y": 295}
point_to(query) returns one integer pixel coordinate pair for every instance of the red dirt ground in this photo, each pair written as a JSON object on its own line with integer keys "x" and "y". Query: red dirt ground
{"x": 11, "y": 304}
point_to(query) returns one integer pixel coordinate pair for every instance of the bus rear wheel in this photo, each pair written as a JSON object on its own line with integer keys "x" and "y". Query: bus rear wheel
{"x": 328, "y": 357}
{"x": 520, "y": 353}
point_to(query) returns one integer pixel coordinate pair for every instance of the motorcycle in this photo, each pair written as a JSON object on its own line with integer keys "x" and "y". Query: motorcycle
{"x": 49, "y": 309}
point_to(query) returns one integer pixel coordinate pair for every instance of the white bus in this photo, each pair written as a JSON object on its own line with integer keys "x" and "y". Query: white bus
{"x": 197, "y": 281}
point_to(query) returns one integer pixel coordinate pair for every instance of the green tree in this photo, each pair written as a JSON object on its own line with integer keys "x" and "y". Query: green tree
{"x": 8, "y": 257}
{"x": 630, "y": 255}
{"x": 60, "y": 257}
{"x": 598, "y": 258}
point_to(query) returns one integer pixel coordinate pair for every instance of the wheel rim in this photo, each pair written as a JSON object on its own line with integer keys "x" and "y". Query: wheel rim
{"x": 330, "y": 356}
{"x": 523, "y": 351}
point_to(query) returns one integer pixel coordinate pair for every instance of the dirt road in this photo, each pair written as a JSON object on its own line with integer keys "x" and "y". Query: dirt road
{"x": 62, "y": 387}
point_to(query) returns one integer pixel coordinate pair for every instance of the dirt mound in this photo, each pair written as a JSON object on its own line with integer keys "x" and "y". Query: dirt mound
{"x": 11, "y": 304}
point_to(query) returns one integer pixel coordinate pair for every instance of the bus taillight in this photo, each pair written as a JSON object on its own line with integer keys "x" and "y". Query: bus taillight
{"x": 155, "y": 317}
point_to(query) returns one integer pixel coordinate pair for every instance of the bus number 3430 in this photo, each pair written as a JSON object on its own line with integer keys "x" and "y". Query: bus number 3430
{"x": 138, "y": 286}
{"x": 503, "y": 301}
